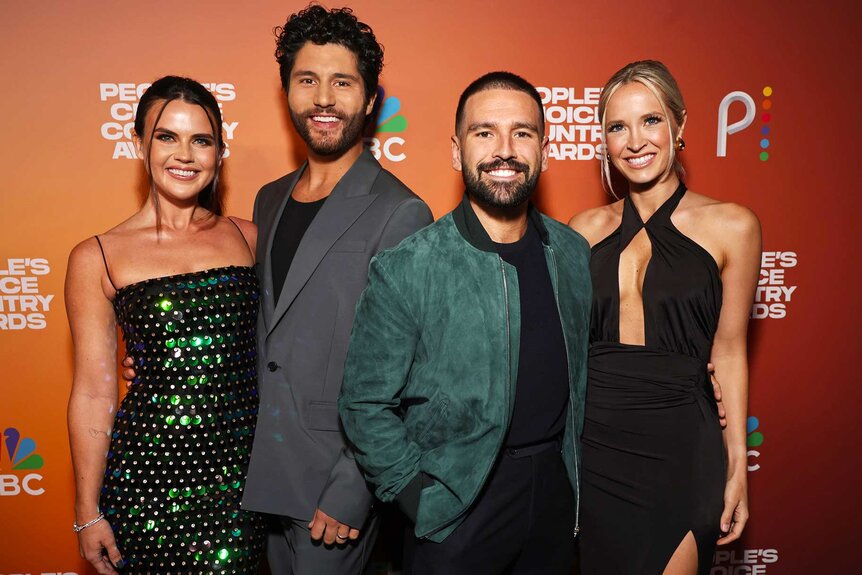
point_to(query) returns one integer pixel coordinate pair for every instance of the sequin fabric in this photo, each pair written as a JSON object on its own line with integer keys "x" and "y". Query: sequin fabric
{"x": 182, "y": 436}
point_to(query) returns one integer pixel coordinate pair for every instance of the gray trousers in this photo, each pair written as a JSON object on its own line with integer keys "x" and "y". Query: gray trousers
{"x": 290, "y": 550}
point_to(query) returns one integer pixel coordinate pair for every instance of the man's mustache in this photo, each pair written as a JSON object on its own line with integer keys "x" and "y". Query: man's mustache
{"x": 499, "y": 164}
{"x": 323, "y": 112}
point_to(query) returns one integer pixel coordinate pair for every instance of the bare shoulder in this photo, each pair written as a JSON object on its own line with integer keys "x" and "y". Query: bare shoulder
{"x": 85, "y": 272}
{"x": 87, "y": 255}
{"x": 729, "y": 231}
{"x": 596, "y": 224}
{"x": 91, "y": 254}
{"x": 248, "y": 229}
{"x": 723, "y": 217}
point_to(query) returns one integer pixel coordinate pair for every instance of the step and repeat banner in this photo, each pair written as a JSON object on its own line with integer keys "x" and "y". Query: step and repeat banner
{"x": 772, "y": 124}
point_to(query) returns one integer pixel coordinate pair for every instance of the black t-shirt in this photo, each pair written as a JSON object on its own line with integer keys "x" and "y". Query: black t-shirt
{"x": 295, "y": 219}
{"x": 542, "y": 392}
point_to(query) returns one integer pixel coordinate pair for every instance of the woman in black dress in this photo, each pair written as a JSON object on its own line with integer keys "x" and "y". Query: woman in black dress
{"x": 159, "y": 480}
{"x": 674, "y": 274}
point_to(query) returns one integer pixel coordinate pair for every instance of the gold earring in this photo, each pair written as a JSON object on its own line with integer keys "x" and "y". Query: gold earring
{"x": 680, "y": 144}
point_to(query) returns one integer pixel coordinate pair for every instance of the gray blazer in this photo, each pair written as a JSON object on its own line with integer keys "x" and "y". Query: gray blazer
{"x": 300, "y": 460}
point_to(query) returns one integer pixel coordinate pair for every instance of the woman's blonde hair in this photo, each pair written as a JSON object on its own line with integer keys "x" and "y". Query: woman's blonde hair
{"x": 657, "y": 79}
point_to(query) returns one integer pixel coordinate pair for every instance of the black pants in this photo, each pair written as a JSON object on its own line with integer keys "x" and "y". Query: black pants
{"x": 522, "y": 522}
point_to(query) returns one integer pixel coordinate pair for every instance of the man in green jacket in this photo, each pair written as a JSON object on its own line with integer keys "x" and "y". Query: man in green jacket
{"x": 464, "y": 385}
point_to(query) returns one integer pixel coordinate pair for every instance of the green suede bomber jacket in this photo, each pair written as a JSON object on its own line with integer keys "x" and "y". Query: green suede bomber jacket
{"x": 429, "y": 383}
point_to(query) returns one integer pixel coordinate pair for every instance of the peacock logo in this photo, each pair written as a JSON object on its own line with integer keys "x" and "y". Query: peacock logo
{"x": 21, "y": 452}
{"x": 385, "y": 143}
{"x": 21, "y": 455}
{"x": 389, "y": 120}
{"x": 755, "y": 439}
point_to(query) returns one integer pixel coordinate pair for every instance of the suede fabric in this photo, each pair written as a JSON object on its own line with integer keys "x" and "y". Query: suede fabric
{"x": 433, "y": 360}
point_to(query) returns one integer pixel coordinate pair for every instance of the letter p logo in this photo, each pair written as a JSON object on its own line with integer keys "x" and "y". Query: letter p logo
{"x": 723, "y": 129}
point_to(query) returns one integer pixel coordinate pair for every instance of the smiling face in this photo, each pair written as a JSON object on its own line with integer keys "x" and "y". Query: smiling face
{"x": 180, "y": 151}
{"x": 326, "y": 98}
{"x": 499, "y": 149}
{"x": 640, "y": 136}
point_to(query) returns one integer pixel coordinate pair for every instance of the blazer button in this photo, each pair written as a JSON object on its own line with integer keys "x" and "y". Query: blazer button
{"x": 272, "y": 366}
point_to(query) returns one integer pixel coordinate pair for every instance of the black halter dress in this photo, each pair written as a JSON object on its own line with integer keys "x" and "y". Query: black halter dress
{"x": 653, "y": 456}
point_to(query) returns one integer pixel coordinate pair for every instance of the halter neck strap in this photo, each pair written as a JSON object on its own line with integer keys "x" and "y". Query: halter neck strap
{"x": 632, "y": 223}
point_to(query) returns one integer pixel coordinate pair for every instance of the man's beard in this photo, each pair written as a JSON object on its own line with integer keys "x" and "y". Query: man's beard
{"x": 499, "y": 194}
{"x": 335, "y": 144}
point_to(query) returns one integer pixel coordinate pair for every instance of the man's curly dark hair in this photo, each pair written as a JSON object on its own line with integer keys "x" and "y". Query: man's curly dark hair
{"x": 337, "y": 26}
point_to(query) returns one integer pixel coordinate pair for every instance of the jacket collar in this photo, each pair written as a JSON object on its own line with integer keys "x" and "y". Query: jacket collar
{"x": 471, "y": 228}
{"x": 350, "y": 197}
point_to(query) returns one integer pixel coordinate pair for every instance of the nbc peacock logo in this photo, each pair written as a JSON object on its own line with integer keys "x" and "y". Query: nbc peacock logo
{"x": 390, "y": 120}
{"x": 385, "y": 143}
{"x": 20, "y": 456}
{"x": 754, "y": 440}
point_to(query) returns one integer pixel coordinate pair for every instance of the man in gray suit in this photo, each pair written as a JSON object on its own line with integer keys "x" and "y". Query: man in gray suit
{"x": 318, "y": 228}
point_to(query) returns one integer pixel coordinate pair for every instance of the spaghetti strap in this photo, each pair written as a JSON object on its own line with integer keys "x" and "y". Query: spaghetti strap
{"x": 242, "y": 235}
{"x": 105, "y": 259}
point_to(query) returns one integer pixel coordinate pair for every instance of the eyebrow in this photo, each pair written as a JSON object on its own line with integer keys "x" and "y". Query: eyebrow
{"x": 172, "y": 133}
{"x": 526, "y": 126}
{"x": 491, "y": 125}
{"x": 647, "y": 115}
{"x": 335, "y": 75}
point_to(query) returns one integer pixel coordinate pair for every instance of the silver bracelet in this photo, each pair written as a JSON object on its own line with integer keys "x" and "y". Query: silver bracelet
{"x": 78, "y": 528}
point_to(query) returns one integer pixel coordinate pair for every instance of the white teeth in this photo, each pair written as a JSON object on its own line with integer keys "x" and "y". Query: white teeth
{"x": 183, "y": 173}
{"x": 641, "y": 160}
{"x": 327, "y": 119}
{"x": 502, "y": 173}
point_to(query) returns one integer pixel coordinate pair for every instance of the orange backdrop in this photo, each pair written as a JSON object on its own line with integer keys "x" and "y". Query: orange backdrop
{"x": 71, "y": 72}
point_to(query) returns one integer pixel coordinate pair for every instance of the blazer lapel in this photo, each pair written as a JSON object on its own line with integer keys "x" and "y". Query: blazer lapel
{"x": 268, "y": 307}
{"x": 348, "y": 200}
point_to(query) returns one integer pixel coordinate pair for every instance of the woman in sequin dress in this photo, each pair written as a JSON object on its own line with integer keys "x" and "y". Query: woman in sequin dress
{"x": 166, "y": 470}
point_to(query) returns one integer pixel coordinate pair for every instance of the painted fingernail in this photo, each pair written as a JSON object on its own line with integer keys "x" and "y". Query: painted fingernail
{"x": 725, "y": 527}
{"x": 120, "y": 564}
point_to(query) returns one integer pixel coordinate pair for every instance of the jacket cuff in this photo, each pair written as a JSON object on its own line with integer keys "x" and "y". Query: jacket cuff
{"x": 408, "y": 499}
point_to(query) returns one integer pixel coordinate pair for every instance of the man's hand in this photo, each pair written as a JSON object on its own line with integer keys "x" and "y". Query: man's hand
{"x": 129, "y": 373}
{"x": 716, "y": 390}
{"x": 331, "y": 530}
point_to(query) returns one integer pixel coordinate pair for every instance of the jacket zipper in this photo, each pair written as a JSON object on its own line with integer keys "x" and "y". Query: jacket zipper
{"x": 571, "y": 398}
{"x": 509, "y": 402}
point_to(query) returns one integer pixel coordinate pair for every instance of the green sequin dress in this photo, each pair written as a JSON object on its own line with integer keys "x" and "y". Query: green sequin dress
{"x": 182, "y": 436}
